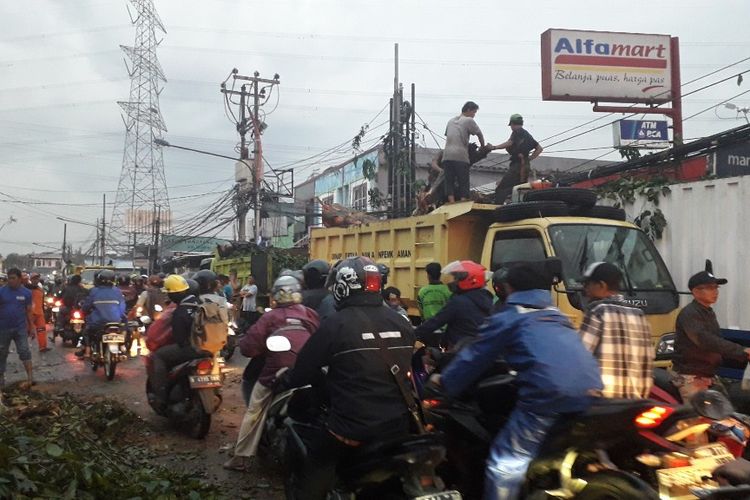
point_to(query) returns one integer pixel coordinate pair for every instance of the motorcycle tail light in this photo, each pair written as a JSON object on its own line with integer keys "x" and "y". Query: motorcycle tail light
{"x": 430, "y": 403}
{"x": 426, "y": 481}
{"x": 653, "y": 417}
{"x": 77, "y": 314}
{"x": 58, "y": 303}
{"x": 204, "y": 367}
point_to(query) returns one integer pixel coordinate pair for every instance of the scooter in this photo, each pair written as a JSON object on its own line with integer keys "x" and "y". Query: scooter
{"x": 108, "y": 348}
{"x": 194, "y": 394}
{"x": 69, "y": 323}
{"x": 624, "y": 449}
{"x": 402, "y": 467}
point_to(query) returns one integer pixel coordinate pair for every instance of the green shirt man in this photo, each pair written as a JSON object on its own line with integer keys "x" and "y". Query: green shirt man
{"x": 432, "y": 297}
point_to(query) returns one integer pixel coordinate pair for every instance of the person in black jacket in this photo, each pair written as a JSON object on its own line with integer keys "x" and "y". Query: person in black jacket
{"x": 465, "y": 311}
{"x": 315, "y": 274}
{"x": 181, "y": 350}
{"x": 365, "y": 401}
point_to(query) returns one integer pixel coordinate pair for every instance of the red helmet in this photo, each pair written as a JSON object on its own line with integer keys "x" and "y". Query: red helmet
{"x": 467, "y": 274}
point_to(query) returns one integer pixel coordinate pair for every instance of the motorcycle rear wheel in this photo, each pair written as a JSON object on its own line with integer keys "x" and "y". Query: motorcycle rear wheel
{"x": 199, "y": 422}
{"x": 110, "y": 365}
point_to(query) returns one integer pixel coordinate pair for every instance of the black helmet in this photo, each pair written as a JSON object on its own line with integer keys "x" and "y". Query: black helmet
{"x": 106, "y": 277}
{"x": 315, "y": 273}
{"x": 193, "y": 287}
{"x": 206, "y": 280}
{"x": 384, "y": 272}
{"x": 355, "y": 275}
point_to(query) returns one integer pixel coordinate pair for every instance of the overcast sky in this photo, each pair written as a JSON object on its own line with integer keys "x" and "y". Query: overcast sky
{"x": 62, "y": 71}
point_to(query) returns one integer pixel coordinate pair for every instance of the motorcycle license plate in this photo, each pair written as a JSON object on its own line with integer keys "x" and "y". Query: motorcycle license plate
{"x": 444, "y": 495}
{"x": 113, "y": 338}
{"x": 203, "y": 381}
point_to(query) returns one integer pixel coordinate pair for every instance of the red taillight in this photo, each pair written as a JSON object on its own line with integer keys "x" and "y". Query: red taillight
{"x": 372, "y": 281}
{"x": 77, "y": 314}
{"x": 653, "y": 417}
{"x": 204, "y": 367}
{"x": 430, "y": 403}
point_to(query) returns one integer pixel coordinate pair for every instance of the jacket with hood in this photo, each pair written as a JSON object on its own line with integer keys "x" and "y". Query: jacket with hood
{"x": 462, "y": 315}
{"x": 104, "y": 304}
{"x": 555, "y": 372}
{"x": 295, "y": 322}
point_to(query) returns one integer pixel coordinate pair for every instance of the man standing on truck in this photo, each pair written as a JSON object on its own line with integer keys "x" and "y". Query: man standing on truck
{"x": 698, "y": 345}
{"x": 520, "y": 144}
{"x": 455, "y": 162}
{"x": 617, "y": 334}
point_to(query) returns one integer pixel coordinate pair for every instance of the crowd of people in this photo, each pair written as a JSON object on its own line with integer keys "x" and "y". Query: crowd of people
{"x": 345, "y": 318}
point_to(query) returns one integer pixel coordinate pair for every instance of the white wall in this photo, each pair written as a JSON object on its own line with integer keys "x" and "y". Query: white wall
{"x": 710, "y": 220}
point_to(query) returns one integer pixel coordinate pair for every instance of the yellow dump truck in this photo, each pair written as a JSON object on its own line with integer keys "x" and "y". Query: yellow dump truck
{"x": 478, "y": 232}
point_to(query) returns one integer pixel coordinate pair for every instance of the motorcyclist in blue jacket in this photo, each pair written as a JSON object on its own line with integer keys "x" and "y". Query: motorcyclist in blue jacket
{"x": 104, "y": 304}
{"x": 556, "y": 375}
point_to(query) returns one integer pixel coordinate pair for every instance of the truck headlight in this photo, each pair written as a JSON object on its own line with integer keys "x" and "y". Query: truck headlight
{"x": 665, "y": 347}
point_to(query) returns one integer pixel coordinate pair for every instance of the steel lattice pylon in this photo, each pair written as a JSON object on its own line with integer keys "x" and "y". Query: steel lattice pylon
{"x": 141, "y": 209}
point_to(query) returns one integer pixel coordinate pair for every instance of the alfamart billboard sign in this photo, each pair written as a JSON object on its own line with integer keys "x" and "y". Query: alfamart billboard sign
{"x": 605, "y": 66}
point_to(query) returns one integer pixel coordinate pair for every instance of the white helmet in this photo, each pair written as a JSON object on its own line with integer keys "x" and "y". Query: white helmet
{"x": 287, "y": 290}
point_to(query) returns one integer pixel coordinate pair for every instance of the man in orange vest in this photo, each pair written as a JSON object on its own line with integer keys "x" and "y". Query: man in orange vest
{"x": 37, "y": 310}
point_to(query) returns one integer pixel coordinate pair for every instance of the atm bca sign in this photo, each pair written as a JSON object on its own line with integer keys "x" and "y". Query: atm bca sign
{"x": 652, "y": 134}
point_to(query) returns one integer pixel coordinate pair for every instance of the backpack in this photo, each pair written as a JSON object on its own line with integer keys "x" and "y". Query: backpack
{"x": 159, "y": 333}
{"x": 210, "y": 327}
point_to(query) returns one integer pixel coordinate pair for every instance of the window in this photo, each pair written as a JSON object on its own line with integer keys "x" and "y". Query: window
{"x": 359, "y": 197}
{"x": 517, "y": 246}
{"x": 579, "y": 245}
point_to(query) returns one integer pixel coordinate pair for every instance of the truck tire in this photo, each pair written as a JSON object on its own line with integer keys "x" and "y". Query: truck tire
{"x": 531, "y": 210}
{"x": 601, "y": 212}
{"x": 571, "y": 196}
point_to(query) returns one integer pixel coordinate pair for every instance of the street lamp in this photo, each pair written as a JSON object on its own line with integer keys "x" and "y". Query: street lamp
{"x": 738, "y": 109}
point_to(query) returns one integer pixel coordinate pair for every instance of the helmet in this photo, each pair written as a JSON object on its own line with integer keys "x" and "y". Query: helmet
{"x": 287, "y": 290}
{"x": 296, "y": 274}
{"x": 355, "y": 275}
{"x": 156, "y": 281}
{"x": 384, "y": 272}
{"x": 106, "y": 277}
{"x": 315, "y": 273}
{"x": 498, "y": 278}
{"x": 123, "y": 280}
{"x": 193, "y": 287}
{"x": 175, "y": 284}
{"x": 515, "y": 119}
{"x": 206, "y": 280}
{"x": 467, "y": 275}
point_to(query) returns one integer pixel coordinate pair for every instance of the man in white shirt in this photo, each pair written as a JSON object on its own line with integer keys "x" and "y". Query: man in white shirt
{"x": 249, "y": 293}
{"x": 456, "y": 152}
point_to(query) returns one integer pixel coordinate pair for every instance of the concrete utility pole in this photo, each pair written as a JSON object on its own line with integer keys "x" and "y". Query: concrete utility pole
{"x": 104, "y": 232}
{"x": 260, "y": 90}
{"x": 401, "y": 152}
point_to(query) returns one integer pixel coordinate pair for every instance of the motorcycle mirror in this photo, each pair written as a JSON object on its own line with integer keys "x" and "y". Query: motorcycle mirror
{"x": 145, "y": 320}
{"x": 712, "y": 404}
{"x": 278, "y": 343}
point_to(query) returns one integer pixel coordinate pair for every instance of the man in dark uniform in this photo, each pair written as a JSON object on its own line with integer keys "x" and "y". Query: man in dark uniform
{"x": 522, "y": 148}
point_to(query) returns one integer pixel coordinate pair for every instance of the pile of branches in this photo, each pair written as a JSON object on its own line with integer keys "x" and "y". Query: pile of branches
{"x": 335, "y": 215}
{"x": 62, "y": 447}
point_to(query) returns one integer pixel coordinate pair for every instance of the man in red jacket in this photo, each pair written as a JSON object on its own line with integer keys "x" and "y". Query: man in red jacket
{"x": 292, "y": 320}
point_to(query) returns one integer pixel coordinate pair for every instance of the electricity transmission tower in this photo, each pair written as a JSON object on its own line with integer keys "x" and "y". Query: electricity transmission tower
{"x": 141, "y": 208}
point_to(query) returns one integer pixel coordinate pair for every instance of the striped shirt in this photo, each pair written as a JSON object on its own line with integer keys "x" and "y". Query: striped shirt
{"x": 619, "y": 336}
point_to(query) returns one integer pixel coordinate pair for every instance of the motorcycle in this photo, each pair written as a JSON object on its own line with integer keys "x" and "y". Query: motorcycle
{"x": 233, "y": 340}
{"x": 402, "y": 467}
{"x": 49, "y": 305}
{"x": 108, "y": 348}
{"x": 194, "y": 394}
{"x": 625, "y": 449}
{"x": 68, "y": 323}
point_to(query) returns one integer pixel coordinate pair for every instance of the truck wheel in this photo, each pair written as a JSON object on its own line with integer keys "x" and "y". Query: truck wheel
{"x": 571, "y": 196}
{"x": 601, "y": 212}
{"x": 531, "y": 210}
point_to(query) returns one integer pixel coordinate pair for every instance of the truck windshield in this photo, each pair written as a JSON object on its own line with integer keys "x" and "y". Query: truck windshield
{"x": 579, "y": 245}
{"x": 87, "y": 276}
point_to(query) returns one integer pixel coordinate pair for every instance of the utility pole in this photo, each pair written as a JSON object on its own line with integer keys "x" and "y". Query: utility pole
{"x": 260, "y": 90}
{"x": 65, "y": 238}
{"x": 401, "y": 152}
{"x": 104, "y": 232}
